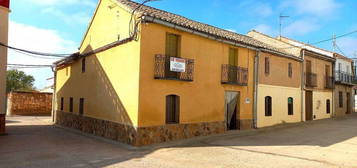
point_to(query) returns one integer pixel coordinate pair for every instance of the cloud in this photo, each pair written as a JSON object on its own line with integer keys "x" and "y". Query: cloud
{"x": 232, "y": 30}
{"x": 81, "y": 17}
{"x": 348, "y": 45}
{"x": 36, "y": 39}
{"x": 256, "y": 8}
{"x": 313, "y": 7}
{"x": 266, "y": 29}
{"x": 263, "y": 10}
{"x": 300, "y": 27}
{"x": 63, "y": 2}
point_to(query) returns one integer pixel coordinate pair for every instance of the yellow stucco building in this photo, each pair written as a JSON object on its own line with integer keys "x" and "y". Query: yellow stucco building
{"x": 155, "y": 76}
{"x": 4, "y": 30}
{"x": 317, "y": 82}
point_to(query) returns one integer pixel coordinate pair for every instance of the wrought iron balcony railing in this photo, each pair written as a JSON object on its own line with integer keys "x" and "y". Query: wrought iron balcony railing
{"x": 329, "y": 82}
{"x": 162, "y": 69}
{"x": 344, "y": 77}
{"x": 234, "y": 75}
{"x": 310, "y": 79}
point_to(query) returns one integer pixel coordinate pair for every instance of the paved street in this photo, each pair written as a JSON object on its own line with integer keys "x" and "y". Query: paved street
{"x": 34, "y": 142}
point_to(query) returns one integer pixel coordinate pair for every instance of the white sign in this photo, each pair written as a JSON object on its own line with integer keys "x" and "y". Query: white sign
{"x": 177, "y": 64}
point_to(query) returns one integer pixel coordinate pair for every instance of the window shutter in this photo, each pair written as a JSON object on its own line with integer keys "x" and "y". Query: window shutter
{"x": 267, "y": 65}
{"x": 290, "y": 70}
{"x": 172, "y": 45}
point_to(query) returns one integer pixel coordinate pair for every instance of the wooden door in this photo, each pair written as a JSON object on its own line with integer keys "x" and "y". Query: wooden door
{"x": 232, "y": 110}
{"x": 308, "y": 106}
{"x": 348, "y": 105}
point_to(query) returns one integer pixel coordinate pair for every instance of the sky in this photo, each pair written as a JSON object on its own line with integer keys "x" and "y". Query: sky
{"x": 58, "y": 26}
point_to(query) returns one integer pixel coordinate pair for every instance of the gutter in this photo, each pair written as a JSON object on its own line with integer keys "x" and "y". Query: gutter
{"x": 256, "y": 80}
{"x": 54, "y": 96}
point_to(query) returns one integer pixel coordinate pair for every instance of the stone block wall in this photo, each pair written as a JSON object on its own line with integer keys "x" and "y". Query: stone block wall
{"x": 29, "y": 103}
{"x": 137, "y": 136}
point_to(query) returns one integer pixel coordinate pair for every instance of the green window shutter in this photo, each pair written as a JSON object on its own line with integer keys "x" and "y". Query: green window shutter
{"x": 233, "y": 57}
{"x": 172, "y": 45}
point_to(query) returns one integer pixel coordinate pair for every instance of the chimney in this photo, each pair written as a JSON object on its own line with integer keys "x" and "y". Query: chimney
{"x": 5, "y": 3}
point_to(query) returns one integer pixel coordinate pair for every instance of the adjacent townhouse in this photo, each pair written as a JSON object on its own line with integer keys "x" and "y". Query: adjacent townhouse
{"x": 153, "y": 76}
{"x": 344, "y": 84}
{"x": 4, "y": 27}
{"x": 317, "y": 80}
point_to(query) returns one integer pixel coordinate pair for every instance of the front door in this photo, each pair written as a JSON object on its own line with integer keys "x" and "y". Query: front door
{"x": 348, "y": 105}
{"x": 308, "y": 106}
{"x": 231, "y": 110}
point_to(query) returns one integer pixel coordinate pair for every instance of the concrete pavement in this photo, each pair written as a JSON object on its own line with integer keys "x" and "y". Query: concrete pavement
{"x": 35, "y": 142}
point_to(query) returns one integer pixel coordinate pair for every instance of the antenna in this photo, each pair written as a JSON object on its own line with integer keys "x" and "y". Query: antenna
{"x": 281, "y": 17}
{"x": 334, "y": 44}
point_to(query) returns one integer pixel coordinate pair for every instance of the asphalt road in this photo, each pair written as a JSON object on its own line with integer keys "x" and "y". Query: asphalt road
{"x": 35, "y": 142}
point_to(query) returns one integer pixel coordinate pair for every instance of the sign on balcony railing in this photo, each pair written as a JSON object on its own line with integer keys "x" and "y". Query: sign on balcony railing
{"x": 172, "y": 68}
{"x": 234, "y": 75}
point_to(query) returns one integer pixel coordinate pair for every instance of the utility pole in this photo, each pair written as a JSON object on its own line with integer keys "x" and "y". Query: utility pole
{"x": 281, "y": 17}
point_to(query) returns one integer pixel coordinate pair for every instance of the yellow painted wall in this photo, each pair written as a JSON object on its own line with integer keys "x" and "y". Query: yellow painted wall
{"x": 319, "y": 104}
{"x": 341, "y": 111}
{"x": 110, "y": 84}
{"x": 280, "y": 97}
{"x": 4, "y": 24}
{"x": 201, "y": 100}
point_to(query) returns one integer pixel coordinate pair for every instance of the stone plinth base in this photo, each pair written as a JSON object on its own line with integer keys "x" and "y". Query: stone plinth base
{"x": 137, "y": 136}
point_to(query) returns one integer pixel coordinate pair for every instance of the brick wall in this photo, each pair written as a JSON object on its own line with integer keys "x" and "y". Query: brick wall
{"x": 29, "y": 103}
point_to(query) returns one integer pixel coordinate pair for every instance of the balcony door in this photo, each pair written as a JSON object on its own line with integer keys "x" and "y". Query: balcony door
{"x": 172, "y": 49}
{"x": 348, "y": 105}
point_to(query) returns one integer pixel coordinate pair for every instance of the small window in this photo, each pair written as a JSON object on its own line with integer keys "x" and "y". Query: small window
{"x": 81, "y": 106}
{"x": 328, "y": 106}
{"x": 173, "y": 44}
{"x": 71, "y": 104}
{"x": 172, "y": 109}
{"x": 268, "y": 106}
{"x": 290, "y": 106}
{"x": 233, "y": 56}
{"x": 340, "y": 99}
{"x": 290, "y": 70}
{"x": 83, "y": 65}
{"x": 267, "y": 65}
{"x": 62, "y": 103}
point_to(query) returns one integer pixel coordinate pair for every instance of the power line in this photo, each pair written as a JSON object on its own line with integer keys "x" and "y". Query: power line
{"x": 35, "y": 52}
{"x": 318, "y": 42}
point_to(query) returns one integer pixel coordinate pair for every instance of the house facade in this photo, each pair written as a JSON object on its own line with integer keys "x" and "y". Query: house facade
{"x": 316, "y": 70}
{"x": 345, "y": 79}
{"x": 4, "y": 24}
{"x": 319, "y": 81}
{"x": 165, "y": 78}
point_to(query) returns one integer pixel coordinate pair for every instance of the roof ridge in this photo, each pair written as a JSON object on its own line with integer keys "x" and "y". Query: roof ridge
{"x": 306, "y": 44}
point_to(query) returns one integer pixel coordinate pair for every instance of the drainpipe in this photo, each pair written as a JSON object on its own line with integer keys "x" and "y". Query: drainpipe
{"x": 256, "y": 80}
{"x": 302, "y": 86}
{"x": 54, "y": 94}
{"x": 333, "y": 91}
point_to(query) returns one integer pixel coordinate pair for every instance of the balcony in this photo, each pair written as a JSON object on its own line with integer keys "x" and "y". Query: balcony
{"x": 310, "y": 79}
{"x": 162, "y": 69}
{"x": 344, "y": 78}
{"x": 234, "y": 75}
{"x": 329, "y": 82}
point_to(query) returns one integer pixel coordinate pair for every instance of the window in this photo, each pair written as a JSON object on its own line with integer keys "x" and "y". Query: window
{"x": 233, "y": 56}
{"x": 328, "y": 106}
{"x": 267, "y": 65}
{"x": 71, "y": 104}
{"x": 83, "y": 65}
{"x": 268, "y": 106}
{"x": 290, "y": 70}
{"x": 290, "y": 106}
{"x": 62, "y": 103}
{"x": 172, "y": 109}
{"x": 81, "y": 106}
{"x": 327, "y": 70}
{"x": 173, "y": 45}
{"x": 339, "y": 67}
{"x": 340, "y": 99}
